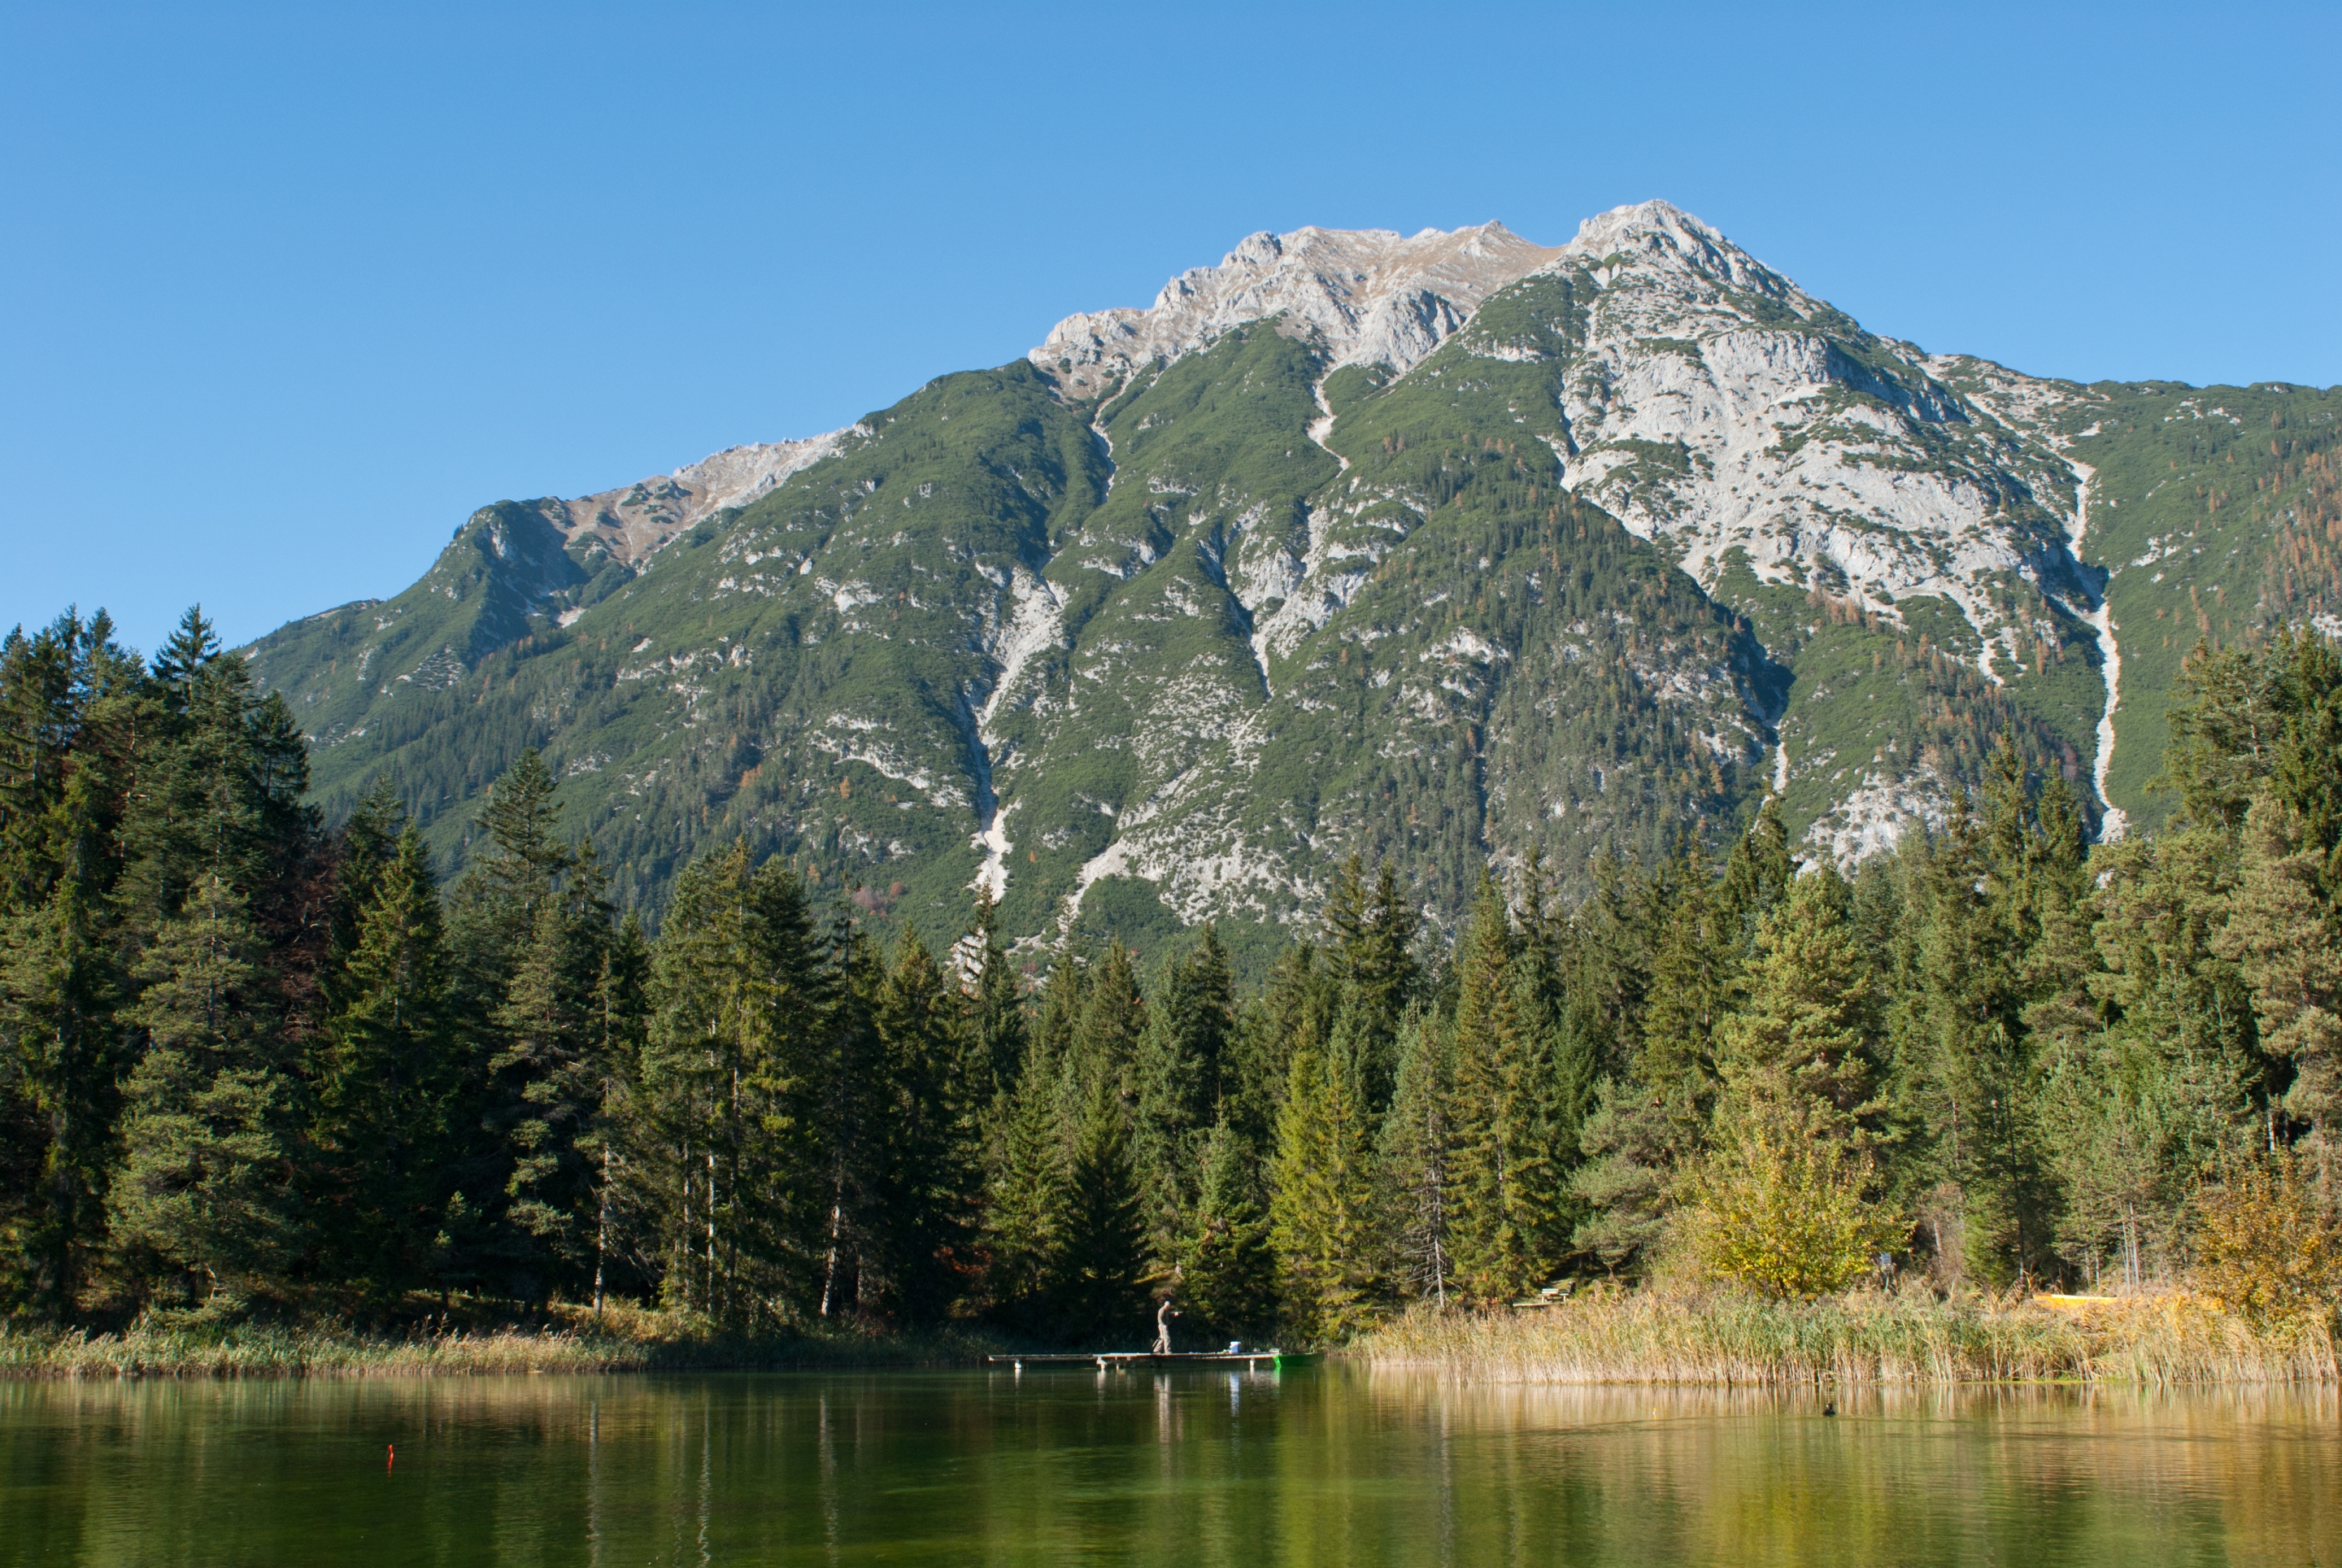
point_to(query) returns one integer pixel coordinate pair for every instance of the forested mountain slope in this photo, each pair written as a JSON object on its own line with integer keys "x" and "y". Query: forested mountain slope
{"x": 1443, "y": 550}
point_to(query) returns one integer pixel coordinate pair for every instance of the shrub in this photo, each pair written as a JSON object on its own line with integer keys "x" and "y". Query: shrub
{"x": 2265, "y": 1249}
{"x": 1787, "y": 1220}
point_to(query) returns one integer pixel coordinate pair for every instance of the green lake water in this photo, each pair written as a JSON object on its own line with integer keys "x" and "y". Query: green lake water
{"x": 1334, "y": 1465}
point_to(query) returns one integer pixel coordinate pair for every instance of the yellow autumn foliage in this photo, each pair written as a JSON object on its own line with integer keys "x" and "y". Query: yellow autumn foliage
{"x": 1786, "y": 1217}
{"x": 2264, "y": 1248}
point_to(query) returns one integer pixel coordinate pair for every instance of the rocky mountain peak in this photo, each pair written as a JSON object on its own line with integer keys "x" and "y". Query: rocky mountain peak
{"x": 628, "y": 524}
{"x": 1661, "y": 235}
{"x": 1373, "y": 296}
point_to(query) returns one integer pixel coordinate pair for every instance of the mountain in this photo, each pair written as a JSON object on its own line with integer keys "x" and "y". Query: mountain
{"x": 1444, "y": 549}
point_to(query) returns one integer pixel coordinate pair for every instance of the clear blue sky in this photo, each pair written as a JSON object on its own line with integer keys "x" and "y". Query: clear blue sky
{"x": 286, "y": 292}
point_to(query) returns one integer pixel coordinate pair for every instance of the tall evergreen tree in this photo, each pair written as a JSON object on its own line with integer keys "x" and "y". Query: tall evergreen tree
{"x": 551, "y": 1082}
{"x": 744, "y": 1007}
{"x": 1798, "y": 1056}
{"x": 2282, "y": 935}
{"x": 1416, "y": 1160}
{"x": 1510, "y": 1184}
{"x": 1227, "y": 1267}
{"x": 1113, "y": 1021}
{"x": 206, "y": 1198}
{"x": 1369, "y": 955}
{"x": 383, "y": 1084}
{"x": 1097, "y": 1276}
{"x": 1027, "y": 1190}
{"x": 996, "y": 1004}
{"x": 1178, "y": 1072}
{"x": 929, "y": 1121}
{"x": 616, "y": 1144}
{"x": 851, "y": 1092}
{"x": 1322, "y": 1209}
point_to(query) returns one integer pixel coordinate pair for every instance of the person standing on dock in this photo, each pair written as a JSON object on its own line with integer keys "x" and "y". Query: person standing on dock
{"x": 1163, "y": 1316}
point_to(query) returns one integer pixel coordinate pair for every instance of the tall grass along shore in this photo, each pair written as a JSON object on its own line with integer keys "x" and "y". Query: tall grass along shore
{"x": 1730, "y": 1339}
{"x": 570, "y": 1341}
{"x": 1716, "y": 1338}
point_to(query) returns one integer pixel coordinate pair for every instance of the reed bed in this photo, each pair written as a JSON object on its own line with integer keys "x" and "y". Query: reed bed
{"x": 569, "y": 1341}
{"x": 1731, "y": 1339}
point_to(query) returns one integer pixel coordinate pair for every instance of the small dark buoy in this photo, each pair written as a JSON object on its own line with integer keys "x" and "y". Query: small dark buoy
{"x": 1830, "y": 1408}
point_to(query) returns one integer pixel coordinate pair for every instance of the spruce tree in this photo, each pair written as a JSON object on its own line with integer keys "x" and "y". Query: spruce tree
{"x": 1322, "y": 1209}
{"x": 1643, "y": 1120}
{"x": 1295, "y": 1012}
{"x": 1113, "y": 1021}
{"x": 1178, "y": 1076}
{"x": 744, "y": 1021}
{"x": 1416, "y": 1158}
{"x": 1798, "y": 1056}
{"x": 385, "y": 1081}
{"x": 550, "y": 1083}
{"x": 619, "y": 1145}
{"x": 1027, "y": 1192}
{"x": 214, "y": 781}
{"x": 1096, "y": 1270}
{"x": 851, "y": 1097}
{"x": 1227, "y": 1267}
{"x": 2283, "y": 937}
{"x": 1370, "y": 937}
{"x": 1510, "y": 1216}
{"x": 206, "y": 1199}
{"x": 929, "y": 1122}
{"x": 998, "y": 1006}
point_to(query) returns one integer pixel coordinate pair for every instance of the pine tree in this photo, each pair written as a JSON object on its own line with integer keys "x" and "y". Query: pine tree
{"x": 1962, "y": 1053}
{"x": 1369, "y": 956}
{"x": 1322, "y": 1205}
{"x": 1647, "y": 1118}
{"x": 1096, "y": 1270}
{"x": 745, "y": 1019}
{"x": 618, "y": 1144}
{"x": 215, "y": 780}
{"x": 1510, "y": 1213}
{"x": 517, "y": 1166}
{"x": 998, "y": 1006}
{"x": 1414, "y": 1159}
{"x": 1295, "y": 1012}
{"x": 1797, "y": 1057}
{"x": 384, "y": 1078}
{"x": 2167, "y": 1087}
{"x": 1026, "y": 1192}
{"x": 1227, "y": 1268}
{"x": 207, "y": 1192}
{"x": 2282, "y": 935}
{"x": 67, "y": 694}
{"x": 1604, "y": 959}
{"x": 1113, "y": 1021}
{"x": 851, "y": 1096}
{"x": 550, "y": 1082}
{"x": 1178, "y": 1075}
{"x": 928, "y": 1121}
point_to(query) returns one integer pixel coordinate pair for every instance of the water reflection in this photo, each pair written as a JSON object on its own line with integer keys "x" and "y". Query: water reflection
{"x": 1335, "y": 1466}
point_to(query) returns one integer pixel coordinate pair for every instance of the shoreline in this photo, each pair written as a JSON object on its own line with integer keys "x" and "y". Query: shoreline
{"x": 1655, "y": 1338}
{"x": 581, "y": 1346}
{"x": 1719, "y": 1340}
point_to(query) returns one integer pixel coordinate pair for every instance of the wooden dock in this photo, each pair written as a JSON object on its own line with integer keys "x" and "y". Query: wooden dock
{"x": 1123, "y": 1361}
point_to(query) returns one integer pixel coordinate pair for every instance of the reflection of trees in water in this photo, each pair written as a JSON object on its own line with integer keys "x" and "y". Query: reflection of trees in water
{"x": 1338, "y": 1466}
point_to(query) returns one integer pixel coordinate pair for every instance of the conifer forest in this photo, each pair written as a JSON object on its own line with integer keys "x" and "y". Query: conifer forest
{"x": 253, "y": 1061}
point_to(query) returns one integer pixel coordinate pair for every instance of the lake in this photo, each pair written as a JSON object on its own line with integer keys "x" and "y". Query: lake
{"x": 1332, "y": 1465}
